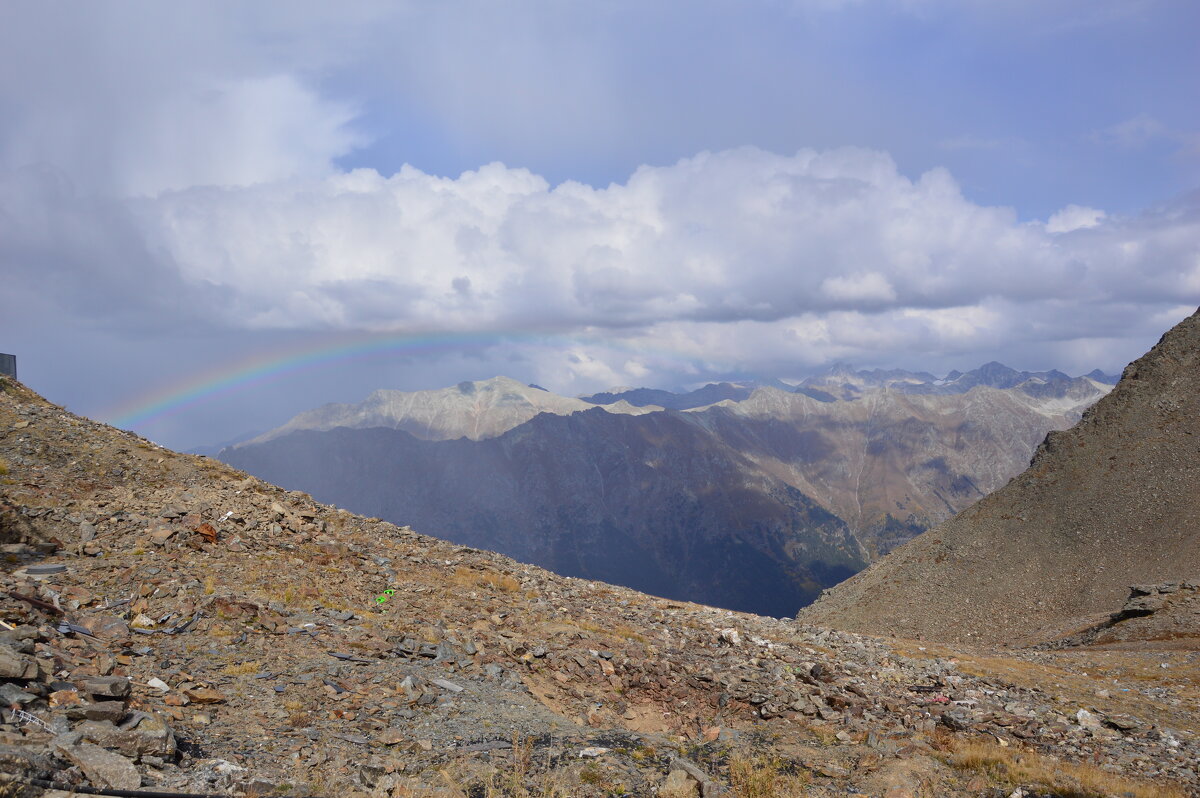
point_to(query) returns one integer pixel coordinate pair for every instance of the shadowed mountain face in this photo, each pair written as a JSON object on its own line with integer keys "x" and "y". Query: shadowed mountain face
{"x": 1112, "y": 502}
{"x": 652, "y": 502}
{"x": 753, "y": 503}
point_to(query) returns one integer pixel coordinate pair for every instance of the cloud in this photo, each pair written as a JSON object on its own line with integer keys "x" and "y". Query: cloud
{"x": 1143, "y": 130}
{"x": 1074, "y": 217}
{"x": 734, "y": 262}
{"x": 135, "y": 99}
{"x": 736, "y": 235}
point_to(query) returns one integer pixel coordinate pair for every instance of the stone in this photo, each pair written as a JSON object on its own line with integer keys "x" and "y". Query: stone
{"x": 1124, "y": 723}
{"x": 392, "y": 736}
{"x": 448, "y": 685}
{"x": 148, "y": 735}
{"x": 10, "y": 694}
{"x": 16, "y": 666}
{"x": 678, "y": 784}
{"x": 107, "y": 686}
{"x": 103, "y": 768}
{"x": 205, "y": 695}
{"x": 104, "y": 710}
{"x": 1087, "y": 720}
{"x": 109, "y": 627}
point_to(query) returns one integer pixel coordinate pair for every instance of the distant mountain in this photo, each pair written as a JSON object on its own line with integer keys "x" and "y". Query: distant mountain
{"x": 1100, "y": 376}
{"x": 793, "y": 493}
{"x": 701, "y": 397}
{"x": 1110, "y": 503}
{"x": 651, "y": 501}
{"x": 473, "y": 410}
{"x": 842, "y": 382}
{"x": 212, "y": 450}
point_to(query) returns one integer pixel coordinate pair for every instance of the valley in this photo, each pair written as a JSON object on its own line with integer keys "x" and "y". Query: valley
{"x": 755, "y": 501}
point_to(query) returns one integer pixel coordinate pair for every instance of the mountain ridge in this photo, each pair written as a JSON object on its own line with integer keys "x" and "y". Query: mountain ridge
{"x": 886, "y": 465}
{"x": 1108, "y": 503}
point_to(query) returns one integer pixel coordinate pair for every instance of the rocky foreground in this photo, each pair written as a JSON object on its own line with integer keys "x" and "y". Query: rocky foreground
{"x": 170, "y": 624}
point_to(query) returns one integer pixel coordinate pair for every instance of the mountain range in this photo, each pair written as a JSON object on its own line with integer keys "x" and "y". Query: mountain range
{"x": 173, "y": 625}
{"x": 753, "y": 496}
{"x": 1112, "y": 502}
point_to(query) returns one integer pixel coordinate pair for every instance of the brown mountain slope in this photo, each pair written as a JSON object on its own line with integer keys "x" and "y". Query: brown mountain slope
{"x": 1111, "y": 502}
{"x": 169, "y": 622}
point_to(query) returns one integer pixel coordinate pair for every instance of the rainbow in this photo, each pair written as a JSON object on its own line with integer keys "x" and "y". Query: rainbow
{"x": 259, "y": 369}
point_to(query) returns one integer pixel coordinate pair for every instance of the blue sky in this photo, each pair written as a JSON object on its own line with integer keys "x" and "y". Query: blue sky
{"x": 713, "y": 188}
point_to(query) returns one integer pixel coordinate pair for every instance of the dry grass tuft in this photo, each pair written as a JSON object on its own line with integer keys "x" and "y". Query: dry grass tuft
{"x": 1010, "y": 767}
{"x": 619, "y": 630}
{"x": 764, "y": 777}
{"x": 468, "y": 577}
{"x": 523, "y": 776}
{"x": 243, "y": 668}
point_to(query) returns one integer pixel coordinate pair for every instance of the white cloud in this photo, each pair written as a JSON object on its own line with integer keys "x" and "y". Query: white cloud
{"x": 1074, "y": 217}
{"x": 737, "y": 235}
{"x": 734, "y": 261}
{"x": 721, "y": 236}
{"x": 866, "y": 289}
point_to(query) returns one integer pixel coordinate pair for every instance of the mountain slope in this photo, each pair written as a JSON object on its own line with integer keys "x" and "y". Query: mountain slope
{"x": 174, "y": 625}
{"x": 653, "y": 502}
{"x": 474, "y": 410}
{"x": 1114, "y": 501}
{"x": 892, "y": 463}
{"x": 735, "y": 504}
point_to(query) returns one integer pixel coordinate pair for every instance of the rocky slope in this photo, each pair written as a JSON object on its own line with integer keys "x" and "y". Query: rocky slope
{"x": 892, "y": 463}
{"x": 1113, "y": 501}
{"x": 655, "y": 503}
{"x": 172, "y": 623}
{"x": 753, "y": 505}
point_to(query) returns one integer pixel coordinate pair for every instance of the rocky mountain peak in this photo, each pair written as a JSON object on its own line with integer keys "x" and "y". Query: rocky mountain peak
{"x": 1110, "y": 502}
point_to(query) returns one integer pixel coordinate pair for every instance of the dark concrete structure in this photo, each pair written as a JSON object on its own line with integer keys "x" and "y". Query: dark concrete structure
{"x": 8, "y": 365}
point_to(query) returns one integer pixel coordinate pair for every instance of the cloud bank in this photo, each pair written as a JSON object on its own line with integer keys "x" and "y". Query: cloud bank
{"x": 743, "y": 259}
{"x": 739, "y": 235}
{"x": 180, "y": 186}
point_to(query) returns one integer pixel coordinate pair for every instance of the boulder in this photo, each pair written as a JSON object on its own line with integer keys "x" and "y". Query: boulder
{"x": 102, "y": 767}
{"x": 14, "y": 665}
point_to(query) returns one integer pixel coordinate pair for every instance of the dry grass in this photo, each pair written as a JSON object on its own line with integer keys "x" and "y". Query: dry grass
{"x": 243, "y": 668}
{"x": 1010, "y": 768}
{"x": 3, "y": 467}
{"x": 518, "y": 778}
{"x": 620, "y": 630}
{"x": 764, "y": 777}
{"x": 469, "y": 577}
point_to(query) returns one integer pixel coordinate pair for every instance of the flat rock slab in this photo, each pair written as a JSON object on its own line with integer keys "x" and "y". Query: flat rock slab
{"x": 16, "y": 666}
{"x": 103, "y": 768}
{"x": 107, "y": 686}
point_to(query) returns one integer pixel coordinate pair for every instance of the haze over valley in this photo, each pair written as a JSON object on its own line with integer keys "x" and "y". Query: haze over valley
{"x": 742, "y": 496}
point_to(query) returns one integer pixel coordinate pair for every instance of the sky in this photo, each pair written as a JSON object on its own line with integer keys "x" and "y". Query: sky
{"x": 216, "y": 214}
